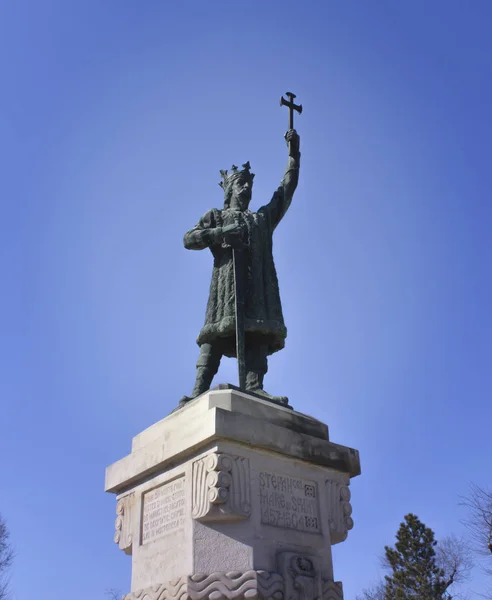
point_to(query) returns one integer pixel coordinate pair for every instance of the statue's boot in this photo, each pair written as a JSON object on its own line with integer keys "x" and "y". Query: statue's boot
{"x": 206, "y": 367}
{"x": 204, "y": 376}
{"x": 254, "y": 383}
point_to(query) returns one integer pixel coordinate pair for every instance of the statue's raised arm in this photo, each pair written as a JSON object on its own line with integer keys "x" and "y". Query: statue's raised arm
{"x": 282, "y": 198}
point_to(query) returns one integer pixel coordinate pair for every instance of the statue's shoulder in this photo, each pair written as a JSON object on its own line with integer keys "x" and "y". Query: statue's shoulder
{"x": 212, "y": 218}
{"x": 214, "y": 211}
{"x": 216, "y": 214}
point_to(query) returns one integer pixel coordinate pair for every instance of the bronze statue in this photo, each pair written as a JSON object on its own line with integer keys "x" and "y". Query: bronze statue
{"x": 244, "y": 314}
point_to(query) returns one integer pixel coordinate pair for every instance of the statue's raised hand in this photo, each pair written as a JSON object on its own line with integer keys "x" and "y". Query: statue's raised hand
{"x": 292, "y": 139}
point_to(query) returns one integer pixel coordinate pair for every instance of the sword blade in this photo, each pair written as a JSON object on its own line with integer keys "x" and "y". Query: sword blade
{"x": 239, "y": 284}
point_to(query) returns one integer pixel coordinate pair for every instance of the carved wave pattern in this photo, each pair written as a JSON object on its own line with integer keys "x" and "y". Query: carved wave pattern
{"x": 237, "y": 585}
{"x": 251, "y": 585}
{"x": 173, "y": 590}
{"x": 332, "y": 590}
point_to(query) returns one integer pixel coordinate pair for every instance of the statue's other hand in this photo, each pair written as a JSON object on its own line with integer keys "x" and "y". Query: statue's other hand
{"x": 233, "y": 235}
{"x": 292, "y": 139}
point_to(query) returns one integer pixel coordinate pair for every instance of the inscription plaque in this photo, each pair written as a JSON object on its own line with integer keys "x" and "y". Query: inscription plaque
{"x": 163, "y": 510}
{"x": 289, "y": 502}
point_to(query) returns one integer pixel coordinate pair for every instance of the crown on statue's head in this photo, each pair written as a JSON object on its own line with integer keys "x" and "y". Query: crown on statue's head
{"x": 228, "y": 178}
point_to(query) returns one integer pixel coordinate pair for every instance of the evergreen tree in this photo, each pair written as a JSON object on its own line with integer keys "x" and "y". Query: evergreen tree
{"x": 415, "y": 573}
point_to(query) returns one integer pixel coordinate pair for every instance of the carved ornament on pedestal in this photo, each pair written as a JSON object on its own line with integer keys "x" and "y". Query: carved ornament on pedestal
{"x": 221, "y": 488}
{"x": 302, "y": 578}
{"x": 123, "y": 523}
{"x": 340, "y": 509}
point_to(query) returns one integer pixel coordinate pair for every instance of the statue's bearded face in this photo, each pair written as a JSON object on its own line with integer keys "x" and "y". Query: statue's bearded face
{"x": 241, "y": 193}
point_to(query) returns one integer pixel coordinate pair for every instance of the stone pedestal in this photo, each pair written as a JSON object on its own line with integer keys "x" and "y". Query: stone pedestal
{"x": 233, "y": 497}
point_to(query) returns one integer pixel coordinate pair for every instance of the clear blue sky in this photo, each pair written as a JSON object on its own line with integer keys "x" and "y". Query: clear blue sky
{"x": 115, "y": 118}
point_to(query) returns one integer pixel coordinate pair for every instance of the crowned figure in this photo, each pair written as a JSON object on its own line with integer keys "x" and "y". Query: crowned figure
{"x": 236, "y": 227}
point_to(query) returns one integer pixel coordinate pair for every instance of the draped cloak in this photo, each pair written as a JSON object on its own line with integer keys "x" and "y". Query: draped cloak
{"x": 263, "y": 309}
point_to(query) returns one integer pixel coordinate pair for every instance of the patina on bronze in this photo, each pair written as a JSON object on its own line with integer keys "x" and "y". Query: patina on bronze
{"x": 244, "y": 314}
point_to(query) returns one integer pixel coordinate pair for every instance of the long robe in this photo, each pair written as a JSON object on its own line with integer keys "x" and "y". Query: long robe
{"x": 263, "y": 309}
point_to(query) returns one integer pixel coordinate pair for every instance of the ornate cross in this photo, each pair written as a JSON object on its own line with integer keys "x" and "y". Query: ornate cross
{"x": 292, "y": 107}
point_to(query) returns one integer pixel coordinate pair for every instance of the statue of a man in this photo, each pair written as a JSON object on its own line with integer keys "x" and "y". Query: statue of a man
{"x": 235, "y": 226}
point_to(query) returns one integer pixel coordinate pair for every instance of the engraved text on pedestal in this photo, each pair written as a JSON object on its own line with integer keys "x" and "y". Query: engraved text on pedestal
{"x": 289, "y": 502}
{"x": 163, "y": 510}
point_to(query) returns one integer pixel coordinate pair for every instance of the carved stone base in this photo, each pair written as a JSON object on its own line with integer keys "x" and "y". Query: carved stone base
{"x": 248, "y": 496}
{"x": 251, "y": 585}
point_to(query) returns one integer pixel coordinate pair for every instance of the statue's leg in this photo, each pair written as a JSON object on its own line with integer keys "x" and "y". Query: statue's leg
{"x": 256, "y": 367}
{"x": 206, "y": 367}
